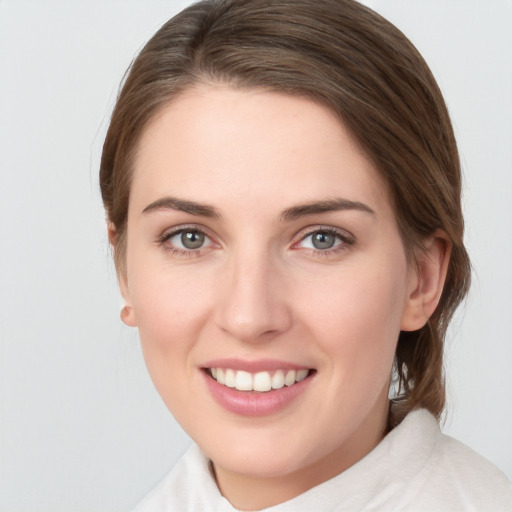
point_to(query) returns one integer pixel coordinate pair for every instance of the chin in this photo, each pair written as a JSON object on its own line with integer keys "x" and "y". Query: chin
{"x": 258, "y": 463}
{"x": 266, "y": 453}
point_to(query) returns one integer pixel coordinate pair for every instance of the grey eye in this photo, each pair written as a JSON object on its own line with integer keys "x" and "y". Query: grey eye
{"x": 192, "y": 239}
{"x": 323, "y": 240}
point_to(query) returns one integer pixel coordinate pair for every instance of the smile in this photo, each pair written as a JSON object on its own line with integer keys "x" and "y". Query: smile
{"x": 262, "y": 381}
{"x": 256, "y": 388}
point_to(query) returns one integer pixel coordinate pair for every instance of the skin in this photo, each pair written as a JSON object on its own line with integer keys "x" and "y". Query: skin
{"x": 258, "y": 288}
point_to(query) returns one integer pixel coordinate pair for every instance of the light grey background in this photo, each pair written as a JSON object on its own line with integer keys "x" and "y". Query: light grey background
{"x": 81, "y": 427}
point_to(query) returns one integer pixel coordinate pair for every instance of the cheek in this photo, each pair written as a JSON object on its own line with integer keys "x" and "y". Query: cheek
{"x": 167, "y": 300}
{"x": 170, "y": 311}
{"x": 356, "y": 319}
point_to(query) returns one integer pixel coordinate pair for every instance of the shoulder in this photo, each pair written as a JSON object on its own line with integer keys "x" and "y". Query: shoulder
{"x": 188, "y": 486}
{"x": 452, "y": 475}
{"x": 466, "y": 474}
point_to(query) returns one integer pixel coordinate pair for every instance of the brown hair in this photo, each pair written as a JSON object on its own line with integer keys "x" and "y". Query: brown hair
{"x": 347, "y": 57}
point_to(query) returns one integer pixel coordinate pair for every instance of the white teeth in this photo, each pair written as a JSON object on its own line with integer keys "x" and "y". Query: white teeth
{"x": 243, "y": 381}
{"x": 278, "y": 380}
{"x": 261, "y": 381}
{"x": 229, "y": 379}
{"x": 301, "y": 375}
{"x": 290, "y": 377}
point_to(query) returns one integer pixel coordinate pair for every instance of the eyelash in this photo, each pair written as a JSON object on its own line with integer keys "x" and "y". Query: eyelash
{"x": 345, "y": 238}
{"x": 185, "y": 253}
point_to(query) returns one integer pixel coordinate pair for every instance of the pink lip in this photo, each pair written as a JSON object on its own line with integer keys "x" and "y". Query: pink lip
{"x": 254, "y": 403}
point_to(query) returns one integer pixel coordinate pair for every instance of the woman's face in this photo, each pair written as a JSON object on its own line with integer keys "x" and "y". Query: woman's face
{"x": 262, "y": 250}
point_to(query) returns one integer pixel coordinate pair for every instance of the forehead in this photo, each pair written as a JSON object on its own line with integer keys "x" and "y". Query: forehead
{"x": 219, "y": 143}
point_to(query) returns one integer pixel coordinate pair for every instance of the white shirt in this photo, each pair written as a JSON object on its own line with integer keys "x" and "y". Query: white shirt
{"x": 415, "y": 468}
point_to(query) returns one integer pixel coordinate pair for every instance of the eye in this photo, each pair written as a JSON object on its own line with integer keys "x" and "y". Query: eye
{"x": 325, "y": 240}
{"x": 185, "y": 241}
{"x": 191, "y": 239}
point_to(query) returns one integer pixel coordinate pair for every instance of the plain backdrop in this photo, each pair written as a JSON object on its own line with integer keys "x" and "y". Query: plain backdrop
{"x": 81, "y": 427}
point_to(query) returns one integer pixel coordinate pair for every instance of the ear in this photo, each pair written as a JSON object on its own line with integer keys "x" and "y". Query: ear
{"x": 426, "y": 281}
{"x": 127, "y": 313}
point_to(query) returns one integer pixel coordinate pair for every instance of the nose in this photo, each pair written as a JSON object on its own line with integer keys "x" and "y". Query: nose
{"x": 254, "y": 305}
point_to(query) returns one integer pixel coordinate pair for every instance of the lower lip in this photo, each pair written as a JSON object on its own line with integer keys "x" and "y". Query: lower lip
{"x": 254, "y": 403}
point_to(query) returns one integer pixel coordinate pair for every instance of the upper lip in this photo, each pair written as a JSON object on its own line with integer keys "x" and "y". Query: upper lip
{"x": 253, "y": 366}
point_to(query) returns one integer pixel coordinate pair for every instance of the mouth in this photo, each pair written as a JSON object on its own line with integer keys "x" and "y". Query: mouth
{"x": 256, "y": 388}
{"x": 261, "y": 382}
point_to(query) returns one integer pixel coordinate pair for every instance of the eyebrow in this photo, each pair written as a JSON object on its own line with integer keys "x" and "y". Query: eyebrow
{"x": 183, "y": 205}
{"x": 325, "y": 206}
{"x": 292, "y": 213}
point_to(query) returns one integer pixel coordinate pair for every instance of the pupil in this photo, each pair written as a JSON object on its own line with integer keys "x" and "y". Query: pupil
{"x": 192, "y": 239}
{"x": 323, "y": 240}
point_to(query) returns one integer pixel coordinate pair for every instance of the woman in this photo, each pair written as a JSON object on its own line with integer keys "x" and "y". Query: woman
{"x": 282, "y": 188}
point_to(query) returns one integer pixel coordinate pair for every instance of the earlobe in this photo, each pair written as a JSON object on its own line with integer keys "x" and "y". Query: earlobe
{"x": 127, "y": 314}
{"x": 426, "y": 282}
